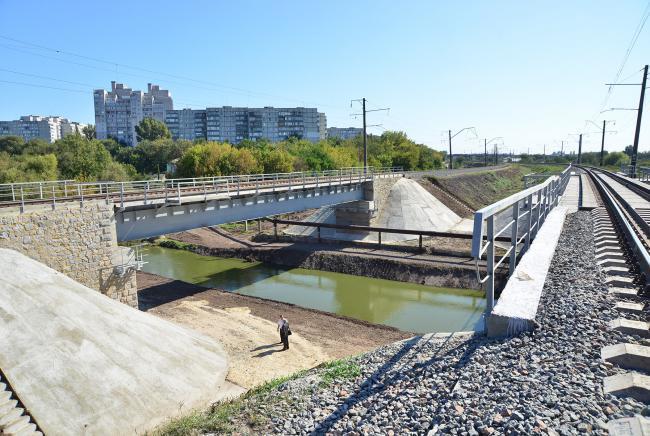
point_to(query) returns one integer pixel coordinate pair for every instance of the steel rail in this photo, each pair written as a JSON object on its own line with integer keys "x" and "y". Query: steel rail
{"x": 635, "y": 244}
{"x": 626, "y": 205}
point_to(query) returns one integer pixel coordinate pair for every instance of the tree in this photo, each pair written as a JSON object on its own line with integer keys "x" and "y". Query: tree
{"x": 12, "y": 144}
{"x": 80, "y": 158}
{"x": 151, "y": 130}
{"x": 26, "y": 168}
{"x": 616, "y": 158}
{"x": 89, "y": 131}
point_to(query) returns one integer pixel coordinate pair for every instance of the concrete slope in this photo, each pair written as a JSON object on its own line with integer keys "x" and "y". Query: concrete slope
{"x": 82, "y": 363}
{"x": 410, "y": 206}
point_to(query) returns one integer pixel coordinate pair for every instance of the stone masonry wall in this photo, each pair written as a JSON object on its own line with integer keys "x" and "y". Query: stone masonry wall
{"x": 378, "y": 191}
{"x": 79, "y": 242}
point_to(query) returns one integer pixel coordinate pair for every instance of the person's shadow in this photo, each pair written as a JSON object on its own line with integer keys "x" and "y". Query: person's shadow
{"x": 267, "y": 352}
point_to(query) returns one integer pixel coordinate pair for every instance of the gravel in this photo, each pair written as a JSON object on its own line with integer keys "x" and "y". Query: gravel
{"x": 546, "y": 381}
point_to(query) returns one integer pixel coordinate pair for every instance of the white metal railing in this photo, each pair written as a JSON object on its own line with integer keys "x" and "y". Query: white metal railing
{"x": 530, "y": 207}
{"x": 173, "y": 190}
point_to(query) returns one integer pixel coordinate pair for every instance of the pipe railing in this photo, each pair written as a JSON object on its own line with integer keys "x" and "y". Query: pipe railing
{"x": 173, "y": 190}
{"x": 530, "y": 206}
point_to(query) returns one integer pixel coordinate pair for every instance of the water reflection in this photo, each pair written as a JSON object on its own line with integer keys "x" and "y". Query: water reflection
{"x": 407, "y": 306}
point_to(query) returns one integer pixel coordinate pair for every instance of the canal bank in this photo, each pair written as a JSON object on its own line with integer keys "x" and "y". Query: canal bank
{"x": 246, "y": 327}
{"x": 403, "y": 265}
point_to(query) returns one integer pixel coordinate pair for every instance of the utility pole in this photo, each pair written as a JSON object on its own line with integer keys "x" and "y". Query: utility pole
{"x": 544, "y": 154}
{"x": 496, "y": 154}
{"x": 580, "y": 149}
{"x": 365, "y": 126}
{"x": 562, "y": 149}
{"x": 365, "y": 135}
{"x": 485, "y": 151}
{"x": 602, "y": 144}
{"x": 451, "y": 157}
{"x": 639, "y": 114}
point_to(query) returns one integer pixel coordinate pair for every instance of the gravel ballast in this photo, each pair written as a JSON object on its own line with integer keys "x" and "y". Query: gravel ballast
{"x": 546, "y": 381}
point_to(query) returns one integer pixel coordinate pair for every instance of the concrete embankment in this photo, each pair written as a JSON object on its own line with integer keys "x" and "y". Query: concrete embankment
{"x": 404, "y": 266}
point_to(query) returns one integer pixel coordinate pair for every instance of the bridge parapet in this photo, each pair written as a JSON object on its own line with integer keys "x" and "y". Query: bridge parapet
{"x": 519, "y": 216}
{"x": 175, "y": 191}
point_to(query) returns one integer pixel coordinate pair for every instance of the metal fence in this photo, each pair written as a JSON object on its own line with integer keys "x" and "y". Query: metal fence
{"x": 173, "y": 190}
{"x": 522, "y": 214}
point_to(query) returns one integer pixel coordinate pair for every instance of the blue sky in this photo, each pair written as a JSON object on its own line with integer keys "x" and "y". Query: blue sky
{"x": 530, "y": 72}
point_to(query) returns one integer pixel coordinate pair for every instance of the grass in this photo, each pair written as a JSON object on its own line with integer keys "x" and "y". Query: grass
{"x": 230, "y": 416}
{"x": 339, "y": 370}
{"x": 227, "y": 416}
{"x": 177, "y": 245}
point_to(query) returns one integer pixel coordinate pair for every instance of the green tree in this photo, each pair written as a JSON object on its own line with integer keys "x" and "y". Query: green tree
{"x": 150, "y": 129}
{"x": 616, "y": 158}
{"x": 12, "y": 144}
{"x": 80, "y": 158}
{"x": 216, "y": 159}
{"x": 27, "y": 168}
{"x": 89, "y": 132}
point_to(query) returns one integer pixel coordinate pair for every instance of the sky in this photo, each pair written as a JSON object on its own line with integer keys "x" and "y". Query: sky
{"x": 529, "y": 72}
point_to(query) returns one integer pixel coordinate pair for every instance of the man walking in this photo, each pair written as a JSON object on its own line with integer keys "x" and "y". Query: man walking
{"x": 279, "y": 329}
{"x": 285, "y": 331}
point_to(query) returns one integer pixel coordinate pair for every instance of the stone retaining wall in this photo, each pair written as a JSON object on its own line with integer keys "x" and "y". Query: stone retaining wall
{"x": 79, "y": 242}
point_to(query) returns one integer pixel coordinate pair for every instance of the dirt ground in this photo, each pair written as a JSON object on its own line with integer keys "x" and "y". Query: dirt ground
{"x": 246, "y": 327}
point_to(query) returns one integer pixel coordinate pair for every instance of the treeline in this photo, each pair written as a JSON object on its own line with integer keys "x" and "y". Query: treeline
{"x": 610, "y": 159}
{"x": 85, "y": 158}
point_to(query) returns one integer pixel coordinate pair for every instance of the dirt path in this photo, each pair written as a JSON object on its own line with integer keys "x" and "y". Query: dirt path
{"x": 246, "y": 326}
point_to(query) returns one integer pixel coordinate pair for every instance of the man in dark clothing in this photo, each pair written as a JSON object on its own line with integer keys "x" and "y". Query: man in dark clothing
{"x": 284, "y": 334}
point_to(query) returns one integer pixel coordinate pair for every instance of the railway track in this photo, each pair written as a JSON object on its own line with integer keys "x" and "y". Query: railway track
{"x": 622, "y": 246}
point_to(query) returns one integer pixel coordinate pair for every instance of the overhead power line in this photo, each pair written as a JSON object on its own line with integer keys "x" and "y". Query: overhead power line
{"x": 118, "y": 65}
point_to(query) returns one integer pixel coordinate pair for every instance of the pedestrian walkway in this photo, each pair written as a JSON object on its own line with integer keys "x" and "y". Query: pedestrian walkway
{"x": 579, "y": 193}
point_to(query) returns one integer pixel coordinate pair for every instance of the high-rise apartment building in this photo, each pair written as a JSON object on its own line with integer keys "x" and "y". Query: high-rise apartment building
{"x": 38, "y": 127}
{"x": 344, "y": 132}
{"x": 235, "y": 124}
{"x": 119, "y": 110}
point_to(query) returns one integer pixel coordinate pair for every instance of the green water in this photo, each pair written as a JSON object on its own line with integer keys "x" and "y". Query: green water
{"x": 407, "y": 306}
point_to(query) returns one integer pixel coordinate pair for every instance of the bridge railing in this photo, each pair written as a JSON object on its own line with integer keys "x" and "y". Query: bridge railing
{"x": 522, "y": 215}
{"x": 643, "y": 173}
{"x": 173, "y": 190}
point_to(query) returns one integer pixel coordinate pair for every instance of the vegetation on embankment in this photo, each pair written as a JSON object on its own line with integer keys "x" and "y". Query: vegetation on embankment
{"x": 249, "y": 413}
{"x": 478, "y": 190}
{"x": 84, "y": 158}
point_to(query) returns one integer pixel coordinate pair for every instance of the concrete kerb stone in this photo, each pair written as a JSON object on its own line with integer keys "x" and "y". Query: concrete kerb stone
{"x": 628, "y": 356}
{"x": 631, "y": 327}
{"x": 620, "y": 282}
{"x": 623, "y": 292}
{"x": 633, "y": 426}
{"x": 621, "y": 271}
{"x": 626, "y": 306}
{"x": 630, "y": 384}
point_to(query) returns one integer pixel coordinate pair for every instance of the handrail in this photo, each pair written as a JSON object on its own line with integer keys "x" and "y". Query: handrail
{"x": 13, "y": 194}
{"x": 523, "y": 205}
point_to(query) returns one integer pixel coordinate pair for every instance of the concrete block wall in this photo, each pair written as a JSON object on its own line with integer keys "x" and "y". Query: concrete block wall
{"x": 78, "y": 241}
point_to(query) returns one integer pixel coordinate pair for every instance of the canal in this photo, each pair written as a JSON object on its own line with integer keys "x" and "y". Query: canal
{"x": 407, "y": 306}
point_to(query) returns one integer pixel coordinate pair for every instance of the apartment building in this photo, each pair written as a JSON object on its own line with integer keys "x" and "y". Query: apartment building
{"x": 344, "y": 132}
{"x": 119, "y": 110}
{"x": 235, "y": 124}
{"x": 39, "y": 127}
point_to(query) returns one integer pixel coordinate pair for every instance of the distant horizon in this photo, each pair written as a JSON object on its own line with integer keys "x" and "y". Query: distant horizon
{"x": 532, "y": 75}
